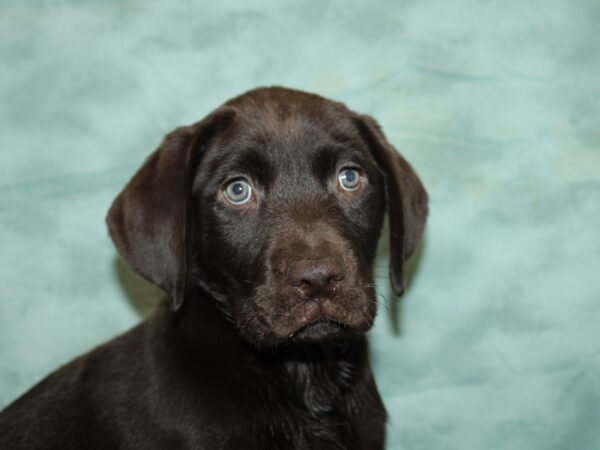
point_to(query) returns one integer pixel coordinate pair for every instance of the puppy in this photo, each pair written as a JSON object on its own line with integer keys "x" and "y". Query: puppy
{"x": 260, "y": 223}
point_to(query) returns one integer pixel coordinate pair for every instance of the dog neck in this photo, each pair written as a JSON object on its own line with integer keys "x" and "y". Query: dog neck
{"x": 321, "y": 379}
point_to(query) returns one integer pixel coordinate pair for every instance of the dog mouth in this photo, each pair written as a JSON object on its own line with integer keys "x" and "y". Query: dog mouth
{"x": 276, "y": 319}
{"x": 320, "y": 329}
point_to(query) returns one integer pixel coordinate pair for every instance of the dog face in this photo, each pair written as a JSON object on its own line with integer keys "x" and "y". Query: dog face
{"x": 290, "y": 202}
{"x": 273, "y": 206}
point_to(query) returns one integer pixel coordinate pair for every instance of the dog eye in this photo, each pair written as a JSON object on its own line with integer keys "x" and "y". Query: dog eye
{"x": 238, "y": 192}
{"x": 349, "y": 179}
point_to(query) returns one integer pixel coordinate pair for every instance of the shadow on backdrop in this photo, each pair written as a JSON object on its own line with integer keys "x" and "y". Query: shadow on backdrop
{"x": 141, "y": 294}
{"x": 386, "y": 297}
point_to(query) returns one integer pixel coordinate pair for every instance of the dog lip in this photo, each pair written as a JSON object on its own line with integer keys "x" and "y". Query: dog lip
{"x": 322, "y": 325}
{"x": 319, "y": 316}
{"x": 318, "y": 313}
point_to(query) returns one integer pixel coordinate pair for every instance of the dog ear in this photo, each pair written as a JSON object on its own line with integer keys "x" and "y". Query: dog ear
{"x": 406, "y": 199}
{"x": 149, "y": 219}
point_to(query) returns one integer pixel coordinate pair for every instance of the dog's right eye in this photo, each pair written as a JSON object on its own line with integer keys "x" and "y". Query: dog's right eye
{"x": 238, "y": 192}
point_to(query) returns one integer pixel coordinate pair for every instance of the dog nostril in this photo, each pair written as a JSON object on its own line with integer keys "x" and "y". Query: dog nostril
{"x": 316, "y": 277}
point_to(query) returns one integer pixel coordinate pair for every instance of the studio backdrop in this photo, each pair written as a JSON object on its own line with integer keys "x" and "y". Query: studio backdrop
{"x": 496, "y": 342}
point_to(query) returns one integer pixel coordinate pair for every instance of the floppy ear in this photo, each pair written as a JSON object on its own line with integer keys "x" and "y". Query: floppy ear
{"x": 149, "y": 220}
{"x": 406, "y": 199}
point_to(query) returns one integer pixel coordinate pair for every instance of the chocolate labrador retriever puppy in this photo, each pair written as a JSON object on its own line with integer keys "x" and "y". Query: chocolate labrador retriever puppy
{"x": 260, "y": 222}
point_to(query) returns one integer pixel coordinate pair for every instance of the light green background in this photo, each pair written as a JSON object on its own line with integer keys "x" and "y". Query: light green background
{"x": 497, "y": 105}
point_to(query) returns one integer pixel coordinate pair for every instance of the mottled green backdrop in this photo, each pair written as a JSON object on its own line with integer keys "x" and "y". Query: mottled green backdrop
{"x": 496, "y": 344}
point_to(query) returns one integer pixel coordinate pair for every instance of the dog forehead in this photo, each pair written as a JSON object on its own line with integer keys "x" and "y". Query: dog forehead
{"x": 284, "y": 132}
{"x": 286, "y": 114}
{"x": 284, "y": 102}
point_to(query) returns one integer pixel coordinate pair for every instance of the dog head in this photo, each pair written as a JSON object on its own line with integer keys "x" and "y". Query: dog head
{"x": 273, "y": 206}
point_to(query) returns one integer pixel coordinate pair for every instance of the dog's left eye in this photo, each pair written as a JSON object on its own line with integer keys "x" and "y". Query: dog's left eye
{"x": 349, "y": 179}
{"x": 238, "y": 192}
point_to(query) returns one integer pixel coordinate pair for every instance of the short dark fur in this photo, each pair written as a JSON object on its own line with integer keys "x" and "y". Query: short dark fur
{"x": 262, "y": 344}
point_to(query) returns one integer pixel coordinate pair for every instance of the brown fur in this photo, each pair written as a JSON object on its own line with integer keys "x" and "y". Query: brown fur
{"x": 262, "y": 343}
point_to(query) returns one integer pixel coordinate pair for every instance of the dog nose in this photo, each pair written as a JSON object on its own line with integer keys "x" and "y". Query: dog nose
{"x": 316, "y": 277}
